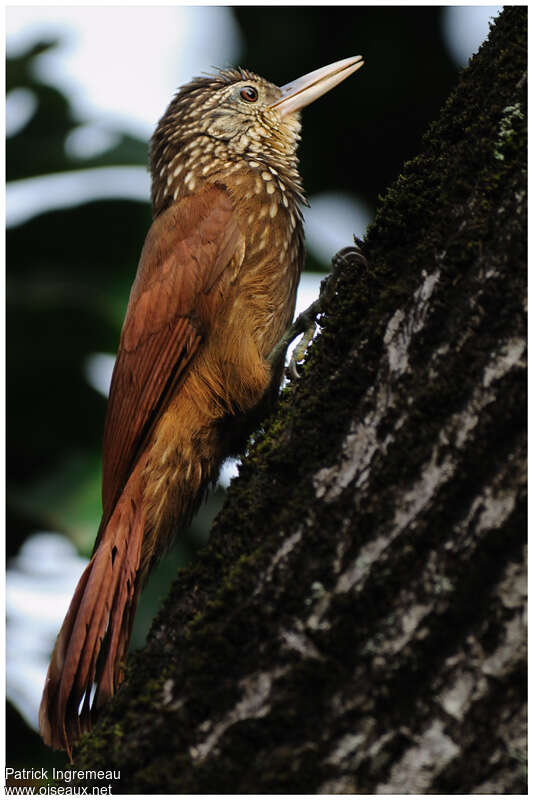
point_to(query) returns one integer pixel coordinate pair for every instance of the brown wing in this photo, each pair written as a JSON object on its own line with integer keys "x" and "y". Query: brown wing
{"x": 186, "y": 250}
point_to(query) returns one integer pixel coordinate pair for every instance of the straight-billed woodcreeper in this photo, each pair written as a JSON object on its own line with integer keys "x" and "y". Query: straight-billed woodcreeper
{"x": 215, "y": 290}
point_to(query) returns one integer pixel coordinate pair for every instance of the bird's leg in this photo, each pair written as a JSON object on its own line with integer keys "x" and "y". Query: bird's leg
{"x": 306, "y": 321}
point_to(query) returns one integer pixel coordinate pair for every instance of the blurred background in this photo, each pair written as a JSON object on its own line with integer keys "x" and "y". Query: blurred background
{"x": 85, "y": 87}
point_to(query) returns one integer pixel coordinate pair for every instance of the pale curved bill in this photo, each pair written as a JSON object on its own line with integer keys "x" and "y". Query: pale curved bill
{"x": 304, "y": 90}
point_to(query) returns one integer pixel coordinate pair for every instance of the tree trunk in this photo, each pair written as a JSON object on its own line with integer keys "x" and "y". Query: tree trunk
{"x": 355, "y": 623}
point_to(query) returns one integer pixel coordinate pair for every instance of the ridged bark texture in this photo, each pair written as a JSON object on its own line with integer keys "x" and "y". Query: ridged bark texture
{"x": 355, "y": 624}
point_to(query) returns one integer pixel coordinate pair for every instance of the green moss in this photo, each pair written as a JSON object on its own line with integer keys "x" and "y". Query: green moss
{"x": 507, "y": 132}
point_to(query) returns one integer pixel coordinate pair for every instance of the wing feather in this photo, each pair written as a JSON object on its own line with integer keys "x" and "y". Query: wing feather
{"x": 184, "y": 257}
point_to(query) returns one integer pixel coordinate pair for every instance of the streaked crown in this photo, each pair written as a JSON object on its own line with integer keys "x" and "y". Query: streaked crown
{"x": 216, "y": 123}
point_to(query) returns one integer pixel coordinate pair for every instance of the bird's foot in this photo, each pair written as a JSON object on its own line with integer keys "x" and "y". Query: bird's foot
{"x": 306, "y": 321}
{"x": 352, "y": 254}
{"x": 299, "y": 351}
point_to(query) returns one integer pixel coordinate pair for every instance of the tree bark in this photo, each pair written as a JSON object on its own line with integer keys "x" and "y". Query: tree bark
{"x": 355, "y": 623}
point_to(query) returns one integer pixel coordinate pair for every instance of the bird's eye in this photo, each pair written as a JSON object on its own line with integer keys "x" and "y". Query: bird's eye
{"x": 249, "y": 93}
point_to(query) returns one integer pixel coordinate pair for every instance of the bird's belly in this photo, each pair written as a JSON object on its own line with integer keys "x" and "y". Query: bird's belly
{"x": 268, "y": 307}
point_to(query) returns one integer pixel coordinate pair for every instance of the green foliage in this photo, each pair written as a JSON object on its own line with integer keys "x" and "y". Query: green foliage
{"x": 68, "y": 278}
{"x": 39, "y": 149}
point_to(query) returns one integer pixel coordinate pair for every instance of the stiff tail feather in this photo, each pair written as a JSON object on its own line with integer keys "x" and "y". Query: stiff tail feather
{"x": 94, "y": 637}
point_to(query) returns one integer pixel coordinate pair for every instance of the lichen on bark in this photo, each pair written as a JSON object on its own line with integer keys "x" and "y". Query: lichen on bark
{"x": 355, "y": 623}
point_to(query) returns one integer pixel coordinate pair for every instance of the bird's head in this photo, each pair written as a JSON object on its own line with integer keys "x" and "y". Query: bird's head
{"x": 230, "y": 117}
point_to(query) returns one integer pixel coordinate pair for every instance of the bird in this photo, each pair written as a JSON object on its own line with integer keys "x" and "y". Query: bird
{"x": 214, "y": 292}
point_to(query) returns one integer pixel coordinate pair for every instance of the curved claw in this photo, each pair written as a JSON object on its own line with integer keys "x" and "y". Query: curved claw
{"x": 299, "y": 351}
{"x": 351, "y": 254}
{"x": 292, "y": 370}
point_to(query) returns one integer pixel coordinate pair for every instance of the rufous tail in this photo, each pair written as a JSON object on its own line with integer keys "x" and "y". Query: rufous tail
{"x": 86, "y": 664}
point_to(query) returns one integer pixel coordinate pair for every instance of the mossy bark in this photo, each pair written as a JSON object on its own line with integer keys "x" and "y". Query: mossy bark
{"x": 355, "y": 623}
